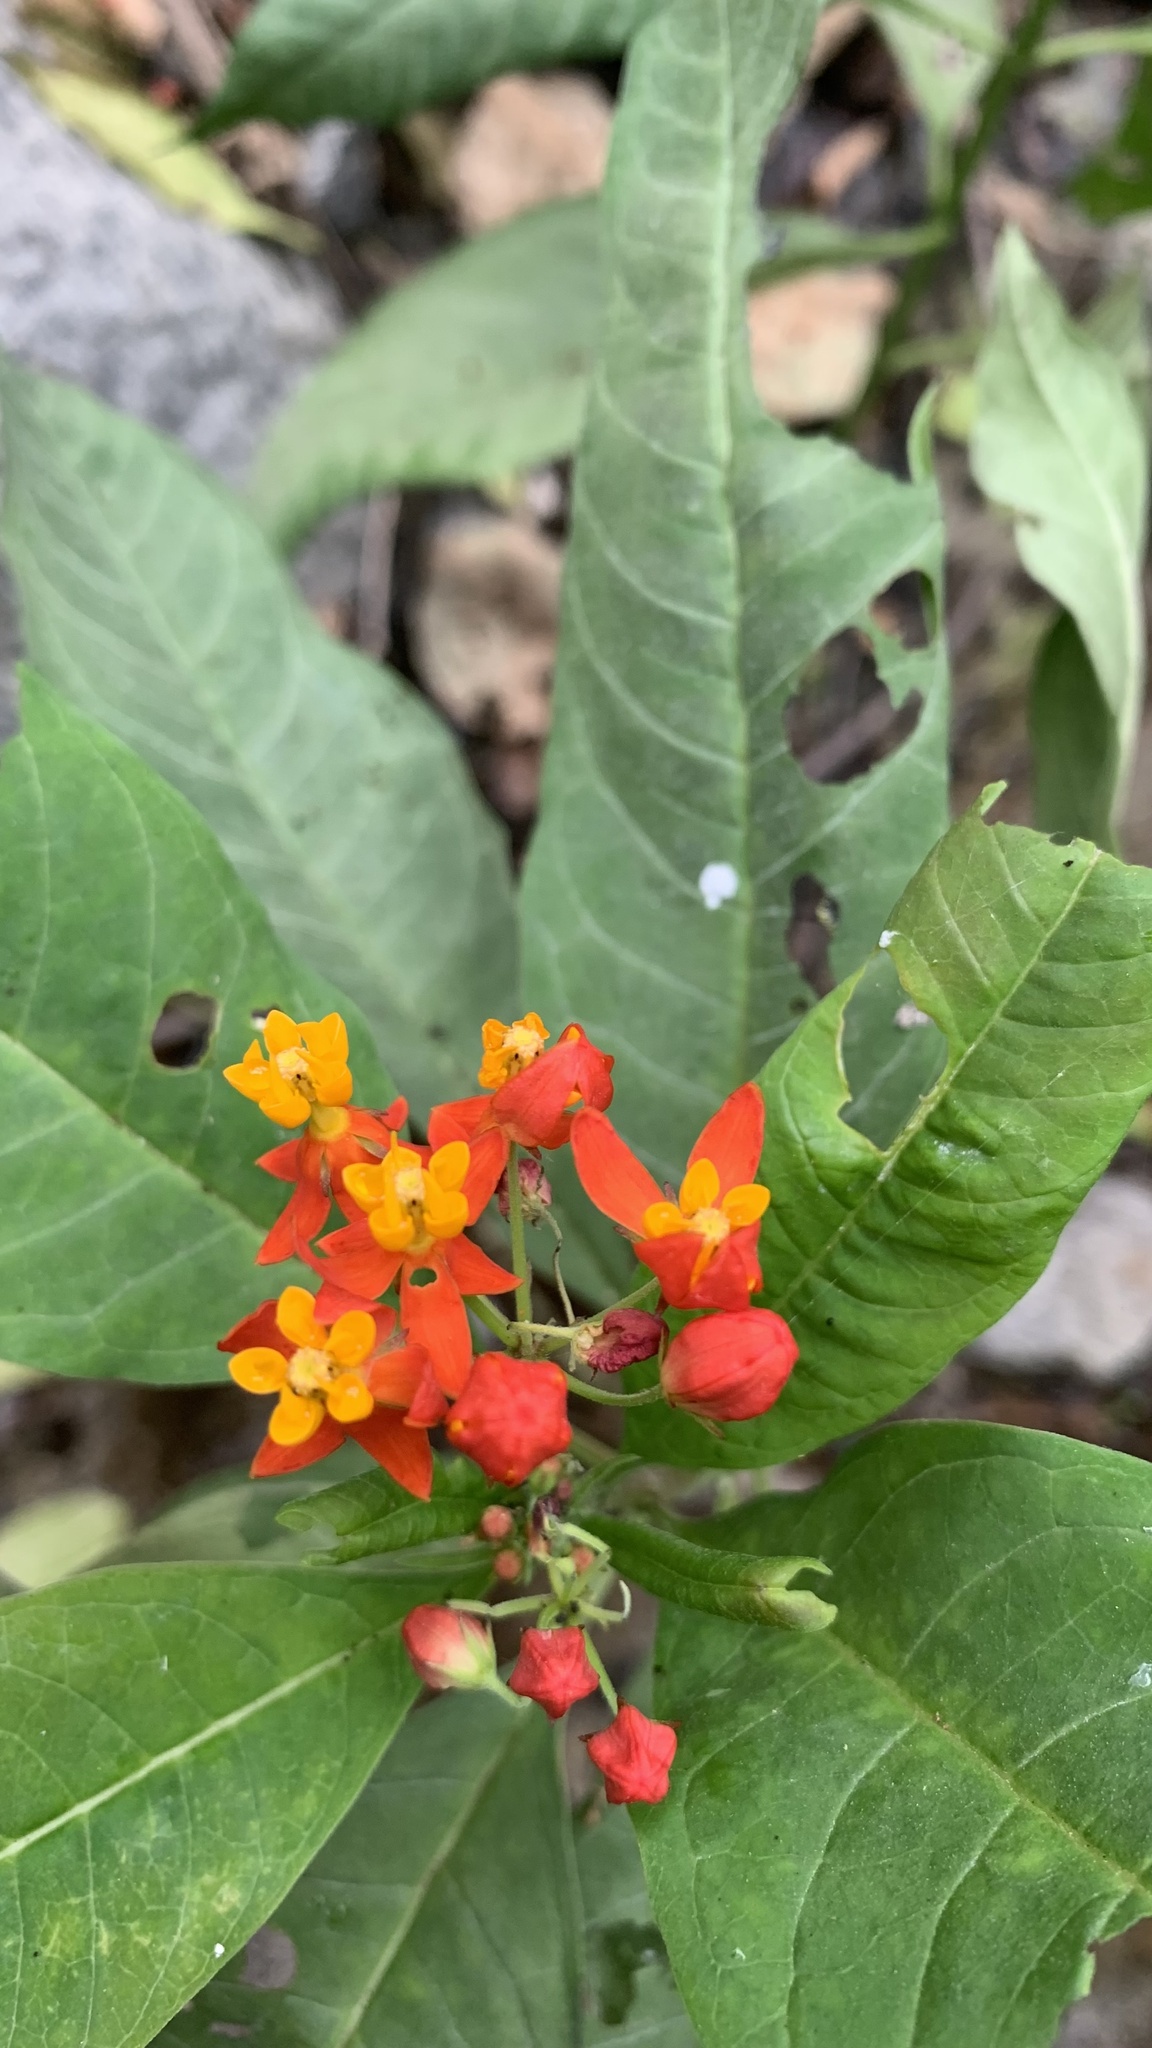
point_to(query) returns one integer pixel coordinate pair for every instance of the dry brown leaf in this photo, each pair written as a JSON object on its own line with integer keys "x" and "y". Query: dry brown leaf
{"x": 845, "y": 158}
{"x": 485, "y": 625}
{"x": 527, "y": 140}
{"x": 813, "y": 340}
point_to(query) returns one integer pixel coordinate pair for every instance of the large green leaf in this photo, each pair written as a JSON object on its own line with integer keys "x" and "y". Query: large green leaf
{"x": 1074, "y": 741}
{"x": 179, "y": 1741}
{"x": 909, "y": 1829}
{"x": 150, "y": 598}
{"x": 712, "y": 555}
{"x": 440, "y": 1915}
{"x": 1058, "y": 439}
{"x": 477, "y": 367}
{"x": 377, "y": 60}
{"x": 1035, "y": 960}
{"x": 131, "y": 1209}
{"x": 631, "y": 2000}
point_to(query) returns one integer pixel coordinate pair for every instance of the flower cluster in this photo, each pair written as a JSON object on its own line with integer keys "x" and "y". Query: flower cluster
{"x": 381, "y": 1349}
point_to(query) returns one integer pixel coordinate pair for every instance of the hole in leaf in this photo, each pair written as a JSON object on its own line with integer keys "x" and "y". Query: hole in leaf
{"x": 424, "y": 1276}
{"x": 808, "y": 939}
{"x": 261, "y": 1014}
{"x": 841, "y": 720}
{"x": 1062, "y": 839}
{"x": 184, "y": 1029}
{"x": 906, "y": 611}
{"x": 893, "y": 1054}
{"x": 625, "y": 1949}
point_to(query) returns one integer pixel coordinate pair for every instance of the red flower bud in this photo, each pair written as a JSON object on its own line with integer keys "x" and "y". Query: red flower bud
{"x": 448, "y": 1648}
{"x": 635, "y": 1755}
{"x": 729, "y": 1366}
{"x": 512, "y": 1414}
{"x": 497, "y": 1523}
{"x": 506, "y": 1564}
{"x": 625, "y": 1335}
{"x": 553, "y": 1668}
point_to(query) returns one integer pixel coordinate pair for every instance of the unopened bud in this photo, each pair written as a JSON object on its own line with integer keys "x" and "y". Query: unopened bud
{"x": 729, "y": 1366}
{"x": 448, "y": 1648}
{"x": 583, "y": 1558}
{"x": 622, "y": 1337}
{"x": 496, "y": 1523}
{"x": 535, "y": 1190}
{"x": 506, "y": 1564}
{"x": 553, "y": 1669}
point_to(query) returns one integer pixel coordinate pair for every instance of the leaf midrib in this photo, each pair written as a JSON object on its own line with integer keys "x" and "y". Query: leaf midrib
{"x": 449, "y": 1842}
{"x": 928, "y": 1104}
{"x": 1132, "y": 1881}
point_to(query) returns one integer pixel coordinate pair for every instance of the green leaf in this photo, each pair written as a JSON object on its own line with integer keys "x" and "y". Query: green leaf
{"x": 1119, "y": 181}
{"x": 50, "y": 1539}
{"x": 944, "y": 73}
{"x": 371, "y": 1514}
{"x": 131, "y": 1207}
{"x": 910, "y": 1827}
{"x": 1035, "y": 960}
{"x": 180, "y": 1742}
{"x": 1073, "y": 737}
{"x": 150, "y": 599}
{"x": 229, "y": 1517}
{"x": 712, "y": 556}
{"x": 440, "y": 1915}
{"x": 153, "y": 143}
{"x": 377, "y": 60}
{"x": 477, "y": 367}
{"x": 717, "y": 1581}
{"x": 1058, "y": 440}
{"x": 633, "y": 1999}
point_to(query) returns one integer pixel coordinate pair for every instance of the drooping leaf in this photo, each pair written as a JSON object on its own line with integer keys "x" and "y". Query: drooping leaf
{"x": 151, "y": 600}
{"x": 440, "y": 1915}
{"x": 377, "y": 60}
{"x": 713, "y": 555}
{"x": 1059, "y": 441}
{"x": 1073, "y": 738}
{"x": 131, "y": 1209}
{"x": 1035, "y": 961}
{"x": 743, "y": 1588}
{"x": 631, "y": 2000}
{"x": 371, "y": 1515}
{"x": 153, "y": 143}
{"x": 909, "y": 1828}
{"x": 178, "y": 1742}
{"x": 478, "y": 367}
{"x": 1119, "y": 180}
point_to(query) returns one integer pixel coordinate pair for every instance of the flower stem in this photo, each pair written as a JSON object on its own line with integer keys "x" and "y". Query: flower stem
{"x": 590, "y": 1393}
{"x": 490, "y": 1315}
{"x": 516, "y": 1230}
{"x": 606, "y": 1685}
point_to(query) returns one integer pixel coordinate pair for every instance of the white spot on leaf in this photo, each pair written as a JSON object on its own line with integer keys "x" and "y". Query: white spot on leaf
{"x": 1141, "y": 1678}
{"x": 909, "y": 1018}
{"x": 218, "y": 1949}
{"x": 718, "y": 883}
{"x": 885, "y": 940}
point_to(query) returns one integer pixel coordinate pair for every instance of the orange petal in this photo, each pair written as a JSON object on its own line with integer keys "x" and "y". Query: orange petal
{"x": 434, "y": 1315}
{"x": 664, "y": 1219}
{"x": 348, "y": 1399}
{"x": 405, "y": 1454}
{"x": 259, "y": 1370}
{"x": 611, "y": 1174}
{"x": 295, "y": 1417}
{"x": 328, "y": 1039}
{"x": 473, "y": 1271}
{"x": 280, "y": 1032}
{"x": 734, "y": 1138}
{"x": 699, "y": 1187}
{"x": 284, "y": 1162}
{"x": 273, "y": 1458}
{"x": 746, "y": 1204}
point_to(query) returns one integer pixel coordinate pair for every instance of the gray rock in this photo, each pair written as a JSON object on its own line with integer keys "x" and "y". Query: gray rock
{"x": 1092, "y": 1308}
{"x": 201, "y": 334}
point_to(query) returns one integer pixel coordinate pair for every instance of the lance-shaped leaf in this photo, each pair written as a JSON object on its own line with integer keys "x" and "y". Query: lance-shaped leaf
{"x": 150, "y": 599}
{"x": 910, "y": 1827}
{"x": 442, "y": 1910}
{"x": 1035, "y": 960}
{"x": 178, "y": 1742}
{"x": 477, "y": 367}
{"x": 631, "y": 2000}
{"x": 131, "y": 1207}
{"x": 946, "y": 53}
{"x": 377, "y": 60}
{"x": 372, "y": 1515}
{"x": 681, "y": 846}
{"x": 1059, "y": 441}
{"x": 717, "y": 1581}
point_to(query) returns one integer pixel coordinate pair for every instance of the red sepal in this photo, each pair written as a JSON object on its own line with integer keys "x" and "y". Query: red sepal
{"x": 731, "y": 1275}
{"x": 734, "y": 1138}
{"x": 305, "y": 1213}
{"x": 405, "y": 1454}
{"x": 473, "y": 1271}
{"x": 434, "y": 1315}
{"x": 610, "y": 1173}
{"x": 273, "y": 1458}
{"x": 260, "y": 1328}
{"x": 354, "y": 1261}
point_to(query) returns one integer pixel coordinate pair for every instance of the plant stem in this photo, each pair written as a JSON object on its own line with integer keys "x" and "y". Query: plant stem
{"x": 590, "y": 1450}
{"x": 490, "y": 1315}
{"x": 1135, "y": 41}
{"x": 516, "y": 1231}
{"x": 1016, "y": 59}
{"x": 606, "y": 1685}
{"x": 589, "y": 1393}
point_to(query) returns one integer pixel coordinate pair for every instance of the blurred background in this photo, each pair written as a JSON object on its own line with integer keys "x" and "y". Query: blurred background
{"x": 199, "y": 284}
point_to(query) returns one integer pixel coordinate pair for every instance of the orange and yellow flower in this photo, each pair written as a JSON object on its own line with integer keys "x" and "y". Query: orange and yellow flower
{"x": 702, "y": 1246}
{"x": 303, "y": 1076}
{"x": 333, "y": 1381}
{"x": 416, "y": 1204}
{"x": 536, "y": 1089}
